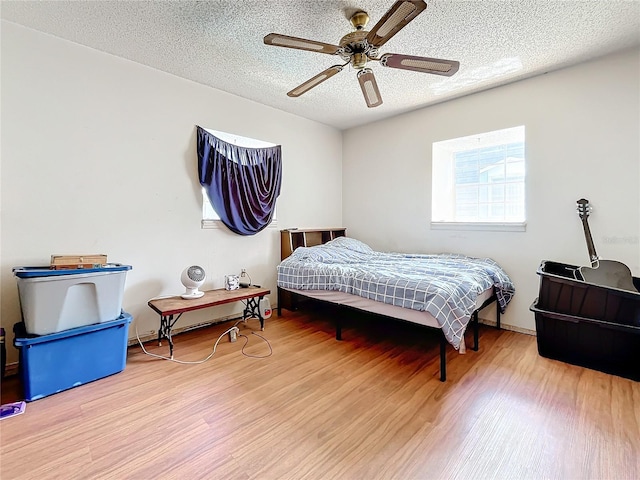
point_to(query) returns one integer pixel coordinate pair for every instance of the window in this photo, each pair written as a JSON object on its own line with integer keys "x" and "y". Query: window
{"x": 478, "y": 181}
{"x": 210, "y": 218}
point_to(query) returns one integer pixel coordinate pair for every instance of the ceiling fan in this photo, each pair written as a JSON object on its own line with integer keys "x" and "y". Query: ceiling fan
{"x": 361, "y": 46}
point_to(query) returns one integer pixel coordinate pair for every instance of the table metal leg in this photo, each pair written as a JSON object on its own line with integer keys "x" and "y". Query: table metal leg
{"x": 160, "y": 330}
{"x": 252, "y": 309}
{"x": 166, "y": 324}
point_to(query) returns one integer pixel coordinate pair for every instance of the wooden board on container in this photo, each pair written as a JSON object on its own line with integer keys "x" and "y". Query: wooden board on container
{"x": 66, "y": 262}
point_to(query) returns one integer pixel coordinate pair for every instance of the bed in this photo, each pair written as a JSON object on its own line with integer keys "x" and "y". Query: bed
{"x": 442, "y": 292}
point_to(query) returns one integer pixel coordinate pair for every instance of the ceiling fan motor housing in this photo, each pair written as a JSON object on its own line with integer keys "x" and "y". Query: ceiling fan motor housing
{"x": 356, "y": 49}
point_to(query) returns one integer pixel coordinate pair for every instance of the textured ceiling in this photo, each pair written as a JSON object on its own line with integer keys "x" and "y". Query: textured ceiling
{"x": 220, "y": 43}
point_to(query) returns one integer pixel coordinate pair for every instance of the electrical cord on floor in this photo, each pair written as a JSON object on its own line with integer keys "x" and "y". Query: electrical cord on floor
{"x": 197, "y": 362}
{"x": 256, "y": 356}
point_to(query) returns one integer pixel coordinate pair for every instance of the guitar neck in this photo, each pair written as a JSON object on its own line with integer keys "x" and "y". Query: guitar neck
{"x": 590, "y": 246}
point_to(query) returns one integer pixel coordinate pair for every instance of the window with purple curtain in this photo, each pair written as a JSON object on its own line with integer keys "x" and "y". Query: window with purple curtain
{"x": 242, "y": 183}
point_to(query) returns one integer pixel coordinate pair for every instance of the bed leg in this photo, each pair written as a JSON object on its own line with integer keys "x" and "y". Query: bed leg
{"x": 443, "y": 358}
{"x": 497, "y": 314}
{"x": 338, "y": 329}
{"x": 475, "y": 331}
{"x": 279, "y": 302}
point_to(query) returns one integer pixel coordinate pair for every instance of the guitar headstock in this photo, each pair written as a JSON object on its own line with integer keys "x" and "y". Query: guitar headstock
{"x": 583, "y": 208}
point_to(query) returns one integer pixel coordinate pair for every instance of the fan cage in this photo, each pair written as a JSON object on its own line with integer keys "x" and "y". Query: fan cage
{"x": 196, "y": 273}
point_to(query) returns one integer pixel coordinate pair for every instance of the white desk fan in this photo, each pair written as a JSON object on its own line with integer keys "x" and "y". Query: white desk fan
{"x": 192, "y": 277}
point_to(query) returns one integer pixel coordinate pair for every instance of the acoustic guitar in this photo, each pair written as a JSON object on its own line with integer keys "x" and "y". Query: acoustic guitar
{"x": 607, "y": 273}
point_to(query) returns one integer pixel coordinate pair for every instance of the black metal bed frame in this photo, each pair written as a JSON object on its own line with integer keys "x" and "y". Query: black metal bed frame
{"x": 443, "y": 340}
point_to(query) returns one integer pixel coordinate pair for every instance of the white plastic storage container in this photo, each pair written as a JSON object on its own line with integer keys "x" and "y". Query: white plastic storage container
{"x": 265, "y": 308}
{"x": 55, "y": 300}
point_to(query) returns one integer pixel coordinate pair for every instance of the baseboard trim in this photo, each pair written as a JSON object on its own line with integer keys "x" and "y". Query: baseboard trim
{"x": 176, "y": 331}
{"x": 493, "y": 323}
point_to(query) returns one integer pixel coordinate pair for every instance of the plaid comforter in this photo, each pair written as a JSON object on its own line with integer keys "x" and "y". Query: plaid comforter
{"x": 445, "y": 285}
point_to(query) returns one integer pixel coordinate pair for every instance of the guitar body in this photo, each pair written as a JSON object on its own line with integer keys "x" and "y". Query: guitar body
{"x": 607, "y": 273}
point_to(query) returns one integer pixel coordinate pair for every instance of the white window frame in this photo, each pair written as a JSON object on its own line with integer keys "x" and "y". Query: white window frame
{"x": 443, "y": 206}
{"x": 210, "y": 219}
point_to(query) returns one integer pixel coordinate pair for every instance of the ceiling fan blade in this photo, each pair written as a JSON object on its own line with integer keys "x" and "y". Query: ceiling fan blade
{"x": 300, "y": 43}
{"x": 369, "y": 88}
{"x": 436, "y": 66}
{"x": 312, "y": 82}
{"x": 398, "y": 16}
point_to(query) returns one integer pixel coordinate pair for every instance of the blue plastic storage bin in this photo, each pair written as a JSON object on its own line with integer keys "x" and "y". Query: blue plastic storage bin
{"x": 34, "y": 272}
{"x": 59, "y": 361}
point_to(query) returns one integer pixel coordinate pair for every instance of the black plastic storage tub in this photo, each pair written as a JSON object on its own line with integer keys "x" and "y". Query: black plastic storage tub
{"x": 605, "y": 346}
{"x": 563, "y": 291}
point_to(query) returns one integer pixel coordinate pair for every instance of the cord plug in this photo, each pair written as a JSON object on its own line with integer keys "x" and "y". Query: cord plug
{"x": 233, "y": 334}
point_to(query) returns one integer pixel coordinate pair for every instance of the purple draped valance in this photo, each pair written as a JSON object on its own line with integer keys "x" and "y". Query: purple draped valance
{"x": 242, "y": 183}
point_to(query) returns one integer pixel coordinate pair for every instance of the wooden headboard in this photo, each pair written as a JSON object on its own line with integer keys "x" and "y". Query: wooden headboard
{"x": 293, "y": 238}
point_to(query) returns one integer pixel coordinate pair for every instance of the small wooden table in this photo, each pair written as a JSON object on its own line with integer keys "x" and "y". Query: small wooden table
{"x": 170, "y": 306}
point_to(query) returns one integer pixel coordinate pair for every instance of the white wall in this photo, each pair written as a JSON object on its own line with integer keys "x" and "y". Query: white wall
{"x": 582, "y": 140}
{"x": 99, "y": 156}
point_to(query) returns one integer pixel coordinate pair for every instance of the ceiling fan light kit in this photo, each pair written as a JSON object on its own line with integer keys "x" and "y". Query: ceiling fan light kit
{"x": 361, "y": 46}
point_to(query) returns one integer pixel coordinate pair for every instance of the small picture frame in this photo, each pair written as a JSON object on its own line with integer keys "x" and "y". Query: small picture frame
{"x": 231, "y": 282}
